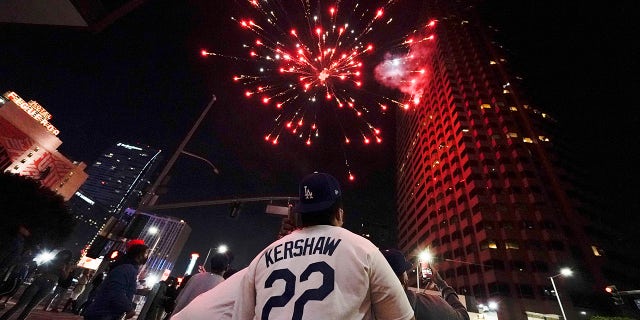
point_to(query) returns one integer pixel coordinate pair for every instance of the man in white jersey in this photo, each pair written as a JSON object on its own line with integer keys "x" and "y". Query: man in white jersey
{"x": 321, "y": 271}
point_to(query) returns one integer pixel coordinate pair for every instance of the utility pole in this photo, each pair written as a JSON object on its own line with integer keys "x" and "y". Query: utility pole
{"x": 150, "y": 198}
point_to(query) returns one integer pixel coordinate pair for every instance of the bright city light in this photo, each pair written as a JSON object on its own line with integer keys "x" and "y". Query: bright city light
{"x": 425, "y": 256}
{"x": 152, "y": 280}
{"x": 223, "y": 248}
{"x": 44, "y": 257}
{"x": 153, "y": 230}
{"x": 566, "y": 272}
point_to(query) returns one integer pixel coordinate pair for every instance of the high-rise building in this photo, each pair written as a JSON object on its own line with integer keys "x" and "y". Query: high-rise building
{"x": 29, "y": 143}
{"x": 165, "y": 237}
{"x": 120, "y": 176}
{"x": 117, "y": 180}
{"x": 480, "y": 183}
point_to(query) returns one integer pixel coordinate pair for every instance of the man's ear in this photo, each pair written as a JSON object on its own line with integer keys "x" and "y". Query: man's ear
{"x": 340, "y": 217}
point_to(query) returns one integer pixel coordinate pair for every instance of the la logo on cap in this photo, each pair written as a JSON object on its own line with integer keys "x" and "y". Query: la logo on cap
{"x": 307, "y": 193}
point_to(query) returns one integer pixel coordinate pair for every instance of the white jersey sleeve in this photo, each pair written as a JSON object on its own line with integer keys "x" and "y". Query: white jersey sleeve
{"x": 321, "y": 272}
{"x": 215, "y": 304}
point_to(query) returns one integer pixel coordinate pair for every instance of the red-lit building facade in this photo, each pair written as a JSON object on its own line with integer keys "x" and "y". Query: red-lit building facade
{"x": 480, "y": 185}
{"x": 29, "y": 143}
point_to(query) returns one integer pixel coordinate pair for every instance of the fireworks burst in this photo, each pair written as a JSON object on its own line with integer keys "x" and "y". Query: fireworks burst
{"x": 310, "y": 63}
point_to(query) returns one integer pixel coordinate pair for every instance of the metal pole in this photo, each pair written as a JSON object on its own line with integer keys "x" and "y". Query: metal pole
{"x": 150, "y": 198}
{"x": 558, "y": 296}
{"x": 204, "y": 263}
{"x": 418, "y": 275}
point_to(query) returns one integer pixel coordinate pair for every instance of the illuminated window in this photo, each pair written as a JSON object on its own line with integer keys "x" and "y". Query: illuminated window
{"x": 527, "y": 140}
{"x": 485, "y": 106}
{"x": 596, "y": 251}
{"x": 492, "y": 62}
{"x": 512, "y": 135}
{"x": 512, "y": 244}
{"x": 512, "y": 108}
{"x": 488, "y": 244}
{"x": 543, "y": 138}
{"x": 505, "y": 91}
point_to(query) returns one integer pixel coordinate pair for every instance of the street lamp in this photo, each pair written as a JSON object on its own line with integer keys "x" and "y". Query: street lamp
{"x": 221, "y": 249}
{"x": 565, "y": 272}
{"x": 423, "y": 256}
{"x": 154, "y": 231}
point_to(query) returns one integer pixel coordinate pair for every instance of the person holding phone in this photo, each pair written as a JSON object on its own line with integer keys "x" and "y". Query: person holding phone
{"x": 427, "y": 306}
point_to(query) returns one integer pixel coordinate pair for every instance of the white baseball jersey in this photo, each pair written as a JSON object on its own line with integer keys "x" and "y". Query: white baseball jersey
{"x": 321, "y": 272}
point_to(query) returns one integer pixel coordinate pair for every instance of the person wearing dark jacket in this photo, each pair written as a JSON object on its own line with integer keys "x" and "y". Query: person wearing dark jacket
{"x": 427, "y": 306}
{"x": 114, "y": 297}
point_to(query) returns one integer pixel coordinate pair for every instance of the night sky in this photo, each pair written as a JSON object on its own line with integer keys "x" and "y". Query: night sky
{"x": 143, "y": 80}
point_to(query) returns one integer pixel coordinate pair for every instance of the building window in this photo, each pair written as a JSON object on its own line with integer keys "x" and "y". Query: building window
{"x": 499, "y": 289}
{"x": 518, "y": 265}
{"x": 556, "y": 245}
{"x": 525, "y": 291}
{"x": 488, "y": 244}
{"x": 512, "y": 245}
{"x": 539, "y": 266}
{"x": 597, "y": 251}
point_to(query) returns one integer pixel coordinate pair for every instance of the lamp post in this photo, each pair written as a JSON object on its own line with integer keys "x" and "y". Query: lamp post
{"x": 150, "y": 198}
{"x": 153, "y": 231}
{"x": 565, "y": 272}
{"x": 221, "y": 249}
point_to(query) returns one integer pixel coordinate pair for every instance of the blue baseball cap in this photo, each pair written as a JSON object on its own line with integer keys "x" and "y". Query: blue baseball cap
{"x": 396, "y": 259}
{"x": 318, "y": 191}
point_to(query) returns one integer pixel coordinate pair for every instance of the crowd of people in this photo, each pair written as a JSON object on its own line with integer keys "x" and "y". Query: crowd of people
{"x": 315, "y": 270}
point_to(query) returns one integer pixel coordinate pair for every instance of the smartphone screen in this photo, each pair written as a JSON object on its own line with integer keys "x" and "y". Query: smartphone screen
{"x": 427, "y": 273}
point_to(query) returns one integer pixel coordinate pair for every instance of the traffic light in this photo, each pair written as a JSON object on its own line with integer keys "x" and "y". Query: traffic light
{"x": 615, "y": 295}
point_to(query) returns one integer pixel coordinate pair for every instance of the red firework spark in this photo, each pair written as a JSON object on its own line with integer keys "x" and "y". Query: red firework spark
{"x": 315, "y": 66}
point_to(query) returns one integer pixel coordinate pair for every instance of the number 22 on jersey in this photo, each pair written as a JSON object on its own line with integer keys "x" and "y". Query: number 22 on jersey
{"x": 316, "y": 294}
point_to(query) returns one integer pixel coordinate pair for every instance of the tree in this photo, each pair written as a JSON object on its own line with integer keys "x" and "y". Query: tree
{"x": 24, "y": 201}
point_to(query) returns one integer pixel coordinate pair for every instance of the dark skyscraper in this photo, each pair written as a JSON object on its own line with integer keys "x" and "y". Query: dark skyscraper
{"x": 480, "y": 182}
{"x": 117, "y": 180}
{"x": 121, "y": 174}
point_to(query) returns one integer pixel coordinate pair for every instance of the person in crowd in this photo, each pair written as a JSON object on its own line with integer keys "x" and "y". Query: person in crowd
{"x": 16, "y": 276}
{"x": 216, "y": 303}
{"x": 203, "y": 281}
{"x": 161, "y": 299}
{"x": 170, "y": 297}
{"x": 427, "y": 306}
{"x": 114, "y": 297}
{"x": 78, "y": 289}
{"x": 321, "y": 271}
{"x": 12, "y": 250}
{"x": 93, "y": 285}
{"x": 53, "y": 301}
{"x": 59, "y": 267}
